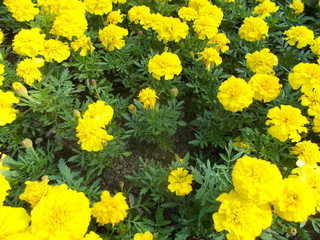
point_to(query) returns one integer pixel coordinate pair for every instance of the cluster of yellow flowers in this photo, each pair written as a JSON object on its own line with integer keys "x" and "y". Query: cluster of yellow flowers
{"x": 246, "y": 211}
{"x": 91, "y": 127}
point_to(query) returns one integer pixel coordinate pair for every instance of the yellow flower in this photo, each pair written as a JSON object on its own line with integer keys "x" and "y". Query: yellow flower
{"x": 253, "y": 28}
{"x": 180, "y": 182}
{"x": 261, "y": 61}
{"x": 235, "y": 94}
{"x": 19, "y": 89}
{"x": 241, "y": 218}
{"x": 115, "y": 17}
{"x": 143, "y": 236}
{"x": 221, "y": 42}
{"x": 7, "y": 99}
{"x": 165, "y": 65}
{"x": 100, "y": 112}
{"x": 55, "y": 50}
{"x": 8, "y": 114}
{"x": 212, "y": 12}
{"x": 138, "y": 13}
{"x": 12, "y": 220}
{"x": 171, "y": 29}
{"x": 266, "y": 87}
{"x": 265, "y": 8}
{"x": 198, "y": 4}
{"x": 1, "y": 72}
{"x": 22, "y": 236}
{"x": 28, "y": 70}
{"x": 297, "y": 201}
{"x": 308, "y": 153}
{"x": 316, "y": 124}
{"x": 312, "y": 100}
{"x": 84, "y": 43}
{"x": 1, "y": 36}
{"x": 257, "y": 180}
{"x": 4, "y": 187}
{"x": 210, "y": 57}
{"x": 205, "y": 27}
{"x": 300, "y": 35}
{"x": 3, "y": 167}
{"x": 98, "y": 7}
{"x": 91, "y": 236}
{"x": 306, "y": 76}
{"x": 187, "y": 13}
{"x": 111, "y": 36}
{"x": 148, "y": 97}
{"x": 22, "y": 10}
{"x": 62, "y": 214}
{"x": 35, "y": 191}
{"x": 297, "y": 6}
{"x": 28, "y": 42}
{"x": 110, "y": 209}
{"x": 287, "y": 122}
{"x": 315, "y": 48}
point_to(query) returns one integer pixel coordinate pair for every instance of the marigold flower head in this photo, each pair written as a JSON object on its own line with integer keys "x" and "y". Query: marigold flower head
{"x": 115, "y": 17}
{"x": 212, "y": 12}
{"x": 242, "y": 219}
{"x": 62, "y": 214}
{"x": 301, "y": 35}
{"x": 180, "y": 182}
{"x": 4, "y": 188}
{"x": 34, "y": 191}
{"x": 253, "y": 29}
{"x": 84, "y": 44}
{"x": 315, "y": 48}
{"x": 137, "y": 13}
{"x": 316, "y": 124}
{"x": 257, "y": 180}
{"x": 143, "y": 236}
{"x": 12, "y": 220}
{"x": 205, "y": 27}
{"x": 111, "y": 36}
{"x": 297, "y": 6}
{"x": 110, "y": 209}
{"x": 1, "y": 36}
{"x": 235, "y": 94}
{"x": 55, "y": 50}
{"x": 265, "y": 8}
{"x": 165, "y": 65}
{"x": 312, "y": 100}
{"x": 297, "y": 201}
{"x": 210, "y": 57}
{"x": 308, "y": 153}
{"x": 22, "y": 10}
{"x": 221, "y": 42}
{"x": 28, "y": 42}
{"x": 171, "y": 29}
{"x": 91, "y": 236}
{"x": 287, "y": 122}
{"x": 28, "y": 70}
{"x": 187, "y": 13}
{"x": 8, "y": 114}
{"x": 261, "y": 61}
{"x": 7, "y": 99}
{"x": 148, "y": 97}
{"x": 306, "y": 76}
{"x": 98, "y": 7}
{"x": 198, "y": 4}
{"x": 100, "y": 112}
{"x": 266, "y": 87}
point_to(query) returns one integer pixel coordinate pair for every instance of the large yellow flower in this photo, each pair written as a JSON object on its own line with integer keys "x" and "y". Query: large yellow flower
{"x": 220, "y": 40}
{"x": 297, "y": 6}
{"x": 265, "y": 8}
{"x": 98, "y": 7}
{"x": 138, "y": 13}
{"x": 111, "y": 36}
{"x": 253, "y": 29}
{"x": 62, "y": 214}
{"x": 110, "y": 209}
{"x": 205, "y": 27}
{"x": 28, "y": 69}
{"x": 22, "y": 10}
{"x": 210, "y": 57}
{"x": 287, "y": 122}
{"x": 308, "y": 153}
{"x": 55, "y": 50}
{"x": 148, "y": 97}
{"x": 171, "y": 29}
{"x": 180, "y": 182}
{"x": 261, "y": 61}
{"x": 301, "y": 35}
{"x": 235, "y": 94}
{"x": 100, "y": 112}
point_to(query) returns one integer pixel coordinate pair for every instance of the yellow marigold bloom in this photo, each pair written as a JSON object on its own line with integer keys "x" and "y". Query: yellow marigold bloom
{"x": 312, "y": 100}
{"x": 301, "y": 35}
{"x": 148, "y": 97}
{"x": 297, "y": 201}
{"x": 180, "y": 182}
{"x": 137, "y": 13}
{"x": 111, "y": 36}
{"x": 261, "y": 61}
{"x": 315, "y": 48}
{"x": 91, "y": 236}
{"x": 98, "y": 7}
{"x": 308, "y": 153}
{"x": 198, "y": 4}
{"x": 7, "y": 99}
{"x": 12, "y": 220}
{"x": 28, "y": 42}
{"x": 221, "y": 42}
{"x": 91, "y": 135}
{"x": 257, "y": 180}
{"x": 235, "y": 94}
{"x": 266, "y": 87}
{"x": 19, "y": 89}
{"x": 4, "y": 187}
{"x": 28, "y": 70}
{"x": 34, "y": 191}
{"x": 297, "y": 6}
{"x": 287, "y": 122}
{"x": 1, "y": 72}
{"x": 143, "y": 236}
{"x": 241, "y": 218}
{"x": 187, "y": 13}
{"x": 115, "y": 17}
{"x": 8, "y": 114}
{"x": 205, "y": 27}
{"x": 22, "y": 10}
{"x": 100, "y": 112}
{"x": 1, "y": 36}
{"x": 62, "y": 6}
{"x": 55, "y": 50}
{"x": 171, "y": 29}
{"x": 210, "y": 57}
{"x": 212, "y": 12}
{"x": 2, "y": 166}
{"x": 84, "y": 43}
{"x": 306, "y": 76}
{"x": 265, "y": 8}
{"x": 316, "y": 124}
{"x": 69, "y": 24}
{"x": 110, "y": 209}
{"x": 165, "y": 65}
{"x": 253, "y": 29}
{"x": 62, "y": 214}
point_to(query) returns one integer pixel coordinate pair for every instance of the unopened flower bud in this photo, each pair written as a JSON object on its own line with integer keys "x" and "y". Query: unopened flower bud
{"x": 19, "y": 89}
{"x": 292, "y": 231}
{"x": 93, "y": 82}
{"x": 121, "y": 184}
{"x": 76, "y": 113}
{"x": 144, "y": 165}
{"x": 165, "y": 49}
{"x": 174, "y": 92}
{"x": 132, "y": 109}
{"x": 45, "y": 178}
{"x": 191, "y": 54}
{"x": 140, "y": 33}
{"x": 27, "y": 143}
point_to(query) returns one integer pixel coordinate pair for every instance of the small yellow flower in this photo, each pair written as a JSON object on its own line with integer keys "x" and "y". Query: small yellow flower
{"x": 180, "y": 182}
{"x": 187, "y": 13}
{"x": 115, "y": 17}
{"x": 308, "y": 153}
{"x": 111, "y": 36}
{"x": 312, "y": 100}
{"x": 143, "y": 236}
{"x": 265, "y": 8}
{"x": 297, "y": 6}
{"x": 253, "y": 29}
{"x": 148, "y": 97}
{"x": 84, "y": 43}
{"x": 220, "y": 40}
{"x": 28, "y": 69}
{"x": 210, "y": 57}
{"x": 19, "y": 89}
{"x": 35, "y": 191}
